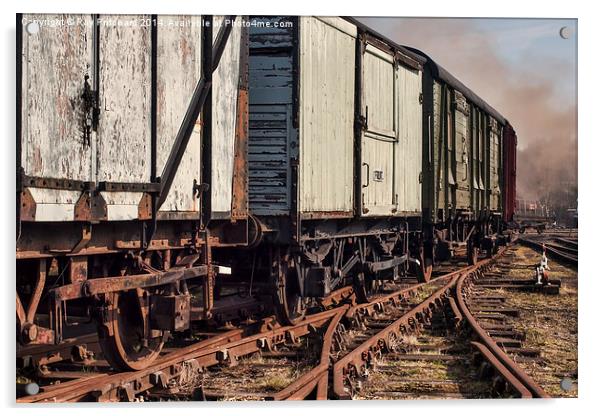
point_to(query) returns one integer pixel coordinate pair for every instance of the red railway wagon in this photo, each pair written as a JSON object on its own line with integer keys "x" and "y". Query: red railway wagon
{"x": 509, "y": 157}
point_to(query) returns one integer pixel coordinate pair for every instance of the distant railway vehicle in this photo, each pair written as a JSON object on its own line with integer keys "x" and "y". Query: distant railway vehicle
{"x": 532, "y": 214}
{"x": 170, "y": 173}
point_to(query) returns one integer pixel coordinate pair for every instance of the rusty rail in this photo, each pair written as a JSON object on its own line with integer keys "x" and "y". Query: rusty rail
{"x": 317, "y": 378}
{"x": 515, "y": 376}
{"x": 361, "y": 357}
{"x": 220, "y": 349}
{"x": 556, "y": 253}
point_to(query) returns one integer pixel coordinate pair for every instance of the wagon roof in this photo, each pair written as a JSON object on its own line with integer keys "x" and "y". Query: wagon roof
{"x": 404, "y": 50}
{"x": 444, "y": 75}
{"x": 437, "y": 70}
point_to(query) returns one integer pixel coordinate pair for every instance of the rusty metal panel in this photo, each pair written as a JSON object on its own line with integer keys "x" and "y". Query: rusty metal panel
{"x": 408, "y": 154}
{"x": 55, "y": 61}
{"x": 178, "y": 70}
{"x": 327, "y": 76}
{"x": 124, "y": 137}
{"x": 225, "y": 97}
{"x": 271, "y": 127}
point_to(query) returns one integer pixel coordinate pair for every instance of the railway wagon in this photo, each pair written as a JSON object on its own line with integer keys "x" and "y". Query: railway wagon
{"x": 335, "y": 150}
{"x": 469, "y": 167}
{"x": 306, "y": 171}
{"x": 122, "y": 189}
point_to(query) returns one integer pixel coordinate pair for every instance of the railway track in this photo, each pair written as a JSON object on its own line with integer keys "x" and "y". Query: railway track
{"x": 330, "y": 354}
{"x": 561, "y": 249}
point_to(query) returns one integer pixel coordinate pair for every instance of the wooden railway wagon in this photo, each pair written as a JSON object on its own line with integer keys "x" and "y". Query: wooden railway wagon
{"x": 123, "y": 190}
{"x": 335, "y": 150}
{"x": 469, "y": 167}
{"x": 317, "y": 161}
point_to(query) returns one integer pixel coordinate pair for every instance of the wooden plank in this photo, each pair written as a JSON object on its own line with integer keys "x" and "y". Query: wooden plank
{"x": 224, "y": 98}
{"x": 327, "y": 62}
{"x": 178, "y": 70}
{"x": 408, "y": 150}
{"x": 124, "y": 148}
{"x": 55, "y": 62}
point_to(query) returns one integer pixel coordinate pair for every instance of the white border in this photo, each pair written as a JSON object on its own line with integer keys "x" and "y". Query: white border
{"x": 589, "y": 203}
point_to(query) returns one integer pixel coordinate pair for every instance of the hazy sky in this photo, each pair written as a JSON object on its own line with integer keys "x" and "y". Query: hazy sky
{"x": 524, "y": 69}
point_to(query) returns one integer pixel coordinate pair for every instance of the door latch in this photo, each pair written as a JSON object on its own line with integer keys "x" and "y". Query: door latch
{"x": 91, "y": 110}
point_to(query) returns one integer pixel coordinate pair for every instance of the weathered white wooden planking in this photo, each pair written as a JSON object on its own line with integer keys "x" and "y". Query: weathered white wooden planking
{"x": 55, "y": 61}
{"x": 379, "y": 140}
{"x": 378, "y": 91}
{"x": 124, "y": 137}
{"x": 377, "y": 176}
{"x": 224, "y": 101}
{"x": 408, "y": 153}
{"x": 125, "y": 98}
{"x": 54, "y": 204}
{"x": 327, "y": 68}
{"x": 178, "y": 70}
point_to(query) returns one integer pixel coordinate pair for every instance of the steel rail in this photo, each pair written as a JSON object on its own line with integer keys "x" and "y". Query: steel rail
{"x": 102, "y": 384}
{"x": 363, "y": 354}
{"x": 555, "y": 253}
{"x": 503, "y": 364}
{"x": 316, "y": 378}
{"x": 217, "y": 350}
{"x": 228, "y": 347}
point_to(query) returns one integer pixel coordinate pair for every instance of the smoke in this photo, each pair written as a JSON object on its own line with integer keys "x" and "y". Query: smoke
{"x": 525, "y": 92}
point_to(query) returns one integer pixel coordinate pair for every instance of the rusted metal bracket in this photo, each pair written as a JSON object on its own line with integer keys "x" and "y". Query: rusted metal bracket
{"x": 115, "y": 284}
{"x": 239, "y": 179}
{"x": 377, "y": 266}
{"x": 26, "y": 181}
{"x": 29, "y": 332}
{"x": 86, "y": 237}
{"x": 90, "y": 206}
{"x": 27, "y": 207}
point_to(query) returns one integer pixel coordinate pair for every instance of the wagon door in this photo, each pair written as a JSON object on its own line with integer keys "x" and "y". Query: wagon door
{"x": 379, "y": 135}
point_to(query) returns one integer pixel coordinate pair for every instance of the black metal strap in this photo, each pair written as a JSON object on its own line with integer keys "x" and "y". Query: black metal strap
{"x": 195, "y": 106}
{"x": 26, "y": 181}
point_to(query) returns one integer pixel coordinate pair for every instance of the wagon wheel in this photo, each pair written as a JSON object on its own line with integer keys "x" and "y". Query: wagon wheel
{"x": 426, "y": 265}
{"x": 289, "y": 305}
{"x": 472, "y": 253}
{"x": 366, "y": 284}
{"x": 122, "y": 338}
{"x": 364, "y": 287}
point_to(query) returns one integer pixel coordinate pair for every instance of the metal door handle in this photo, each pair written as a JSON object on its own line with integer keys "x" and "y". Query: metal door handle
{"x": 367, "y": 175}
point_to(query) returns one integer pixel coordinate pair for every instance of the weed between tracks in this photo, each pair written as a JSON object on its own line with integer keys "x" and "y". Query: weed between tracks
{"x": 448, "y": 374}
{"x": 252, "y": 378}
